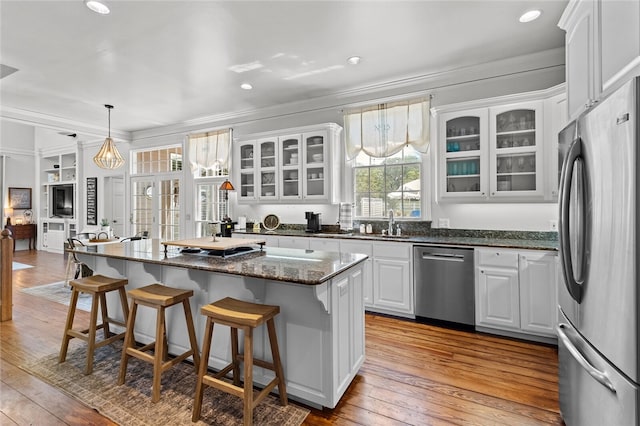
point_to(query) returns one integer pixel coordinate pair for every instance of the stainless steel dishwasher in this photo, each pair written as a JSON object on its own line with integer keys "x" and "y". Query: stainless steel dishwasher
{"x": 444, "y": 284}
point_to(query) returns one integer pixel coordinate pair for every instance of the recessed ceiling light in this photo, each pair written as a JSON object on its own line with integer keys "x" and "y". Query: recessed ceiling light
{"x": 354, "y": 60}
{"x": 246, "y": 86}
{"x": 530, "y": 15}
{"x": 97, "y": 6}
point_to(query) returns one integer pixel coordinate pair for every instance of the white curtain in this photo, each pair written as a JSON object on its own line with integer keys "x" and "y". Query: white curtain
{"x": 384, "y": 129}
{"x": 210, "y": 150}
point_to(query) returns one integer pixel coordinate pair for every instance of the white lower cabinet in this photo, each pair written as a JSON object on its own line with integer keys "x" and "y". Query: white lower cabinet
{"x": 363, "y": 247}
{"x": 325, "y": 244}
{"x": 293, "y": 242}
{"x": 392, "y": 278}
{"x": 516, "y": 291}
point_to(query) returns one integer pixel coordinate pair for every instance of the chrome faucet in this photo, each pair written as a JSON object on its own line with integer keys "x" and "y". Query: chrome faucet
{"x": 391, "y": 222}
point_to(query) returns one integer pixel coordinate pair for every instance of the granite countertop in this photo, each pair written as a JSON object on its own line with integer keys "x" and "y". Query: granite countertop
{"x": 514, "y": 243}
{"x": 310, "y": 267}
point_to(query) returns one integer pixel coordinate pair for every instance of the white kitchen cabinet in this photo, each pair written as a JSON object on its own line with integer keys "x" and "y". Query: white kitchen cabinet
{"x": 244, "y": 165}
{"x": 392, "y": 278}
{"x": 516, "y": 291}
{"x": 293, "y": 242}
{"x": 291, "y": 165}
{"x": 497, "y": 289}
{"x": 363, "y": 247}
{"x": 538, "y": 293}
{"x": 494, "y": 150}
{"x": 602, "y": 45}
{"x": 463, "y": 162}
{"x": 324, "y": 244}
{"x": 516, "y": 151}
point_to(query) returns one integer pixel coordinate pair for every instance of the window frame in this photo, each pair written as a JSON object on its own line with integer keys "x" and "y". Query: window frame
{"x": 419, "y": 162}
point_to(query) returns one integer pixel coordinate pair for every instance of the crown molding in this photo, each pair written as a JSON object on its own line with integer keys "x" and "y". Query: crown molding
{"x": 38, "y": 119}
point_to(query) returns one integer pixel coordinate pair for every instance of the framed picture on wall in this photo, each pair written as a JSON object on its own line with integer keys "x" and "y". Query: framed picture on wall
{"x": 92, "y": 201}
{"x": 20, "y": 198}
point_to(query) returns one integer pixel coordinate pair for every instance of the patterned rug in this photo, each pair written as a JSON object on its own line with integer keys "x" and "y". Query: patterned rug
{"x": 130, "y": 404}
{"x": 60, "y": 293}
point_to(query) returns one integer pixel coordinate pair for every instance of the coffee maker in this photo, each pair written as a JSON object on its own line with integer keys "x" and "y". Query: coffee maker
{"x": 313, "y": 221}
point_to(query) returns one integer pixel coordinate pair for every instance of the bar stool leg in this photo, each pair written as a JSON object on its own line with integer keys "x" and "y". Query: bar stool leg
{"x": 105, "y": 315}
{"x": 235, "y": 359}
{"x": 275, "y": 354}
{"x": 124, "y": 303}
{"x": 159, "y": 349}
{"x": 128, "y": 343}
{"x": 192, "y": 333}
{"x": 68, "y": 325}
{"x": 248, "y": 376}
{"x": 92, "y": 333}
{"x": 204, "y": 362}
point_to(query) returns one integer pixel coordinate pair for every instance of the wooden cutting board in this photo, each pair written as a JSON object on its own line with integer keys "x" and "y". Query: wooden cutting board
{"x": 221, "y": 243}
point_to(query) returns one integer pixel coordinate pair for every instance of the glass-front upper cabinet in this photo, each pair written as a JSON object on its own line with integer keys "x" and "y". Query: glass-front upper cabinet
{"x": 463, "y": 162}
{"x": 291, "y": 167}
{"x": 246, "y": 169}
{"x": 314, "y": 168}
{"x": 516, "y": 150}
{"x": 268, "y": 173}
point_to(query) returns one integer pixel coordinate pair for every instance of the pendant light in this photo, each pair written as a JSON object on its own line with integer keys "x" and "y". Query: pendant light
{"x": 108, "y": 157}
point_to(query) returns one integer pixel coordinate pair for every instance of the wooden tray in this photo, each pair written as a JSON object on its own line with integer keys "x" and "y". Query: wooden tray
{"x": 221, "y": 243}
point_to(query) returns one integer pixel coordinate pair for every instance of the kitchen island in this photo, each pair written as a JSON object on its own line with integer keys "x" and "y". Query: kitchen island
{"x": 321, "y": 322}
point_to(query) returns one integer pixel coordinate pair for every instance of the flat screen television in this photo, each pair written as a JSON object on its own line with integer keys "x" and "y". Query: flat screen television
{"x": 62, "y": 201}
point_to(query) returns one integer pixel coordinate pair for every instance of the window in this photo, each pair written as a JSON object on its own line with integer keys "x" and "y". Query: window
{"x": 384, "y": 143}
{"x": 388, "y": 183}
{"x": 157, "y": 160}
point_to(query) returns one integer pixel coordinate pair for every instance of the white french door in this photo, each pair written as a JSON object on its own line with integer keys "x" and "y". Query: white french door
{"x": 155, "y": 206}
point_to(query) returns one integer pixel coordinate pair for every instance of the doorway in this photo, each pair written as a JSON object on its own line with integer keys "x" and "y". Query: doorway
{"x": 114, "y": 203}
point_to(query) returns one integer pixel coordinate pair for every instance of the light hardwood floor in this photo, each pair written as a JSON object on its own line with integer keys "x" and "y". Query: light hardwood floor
{"x": 414, "y": 374}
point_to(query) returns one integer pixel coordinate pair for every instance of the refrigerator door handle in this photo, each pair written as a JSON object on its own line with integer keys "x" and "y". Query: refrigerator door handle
{"x": 598, "y": 375}
{"x": 573, "y": 154}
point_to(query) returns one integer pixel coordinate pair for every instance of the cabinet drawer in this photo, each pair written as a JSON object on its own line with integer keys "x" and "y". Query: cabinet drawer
{"x": 500, "y": 258}
{"x": 392, "y": 250}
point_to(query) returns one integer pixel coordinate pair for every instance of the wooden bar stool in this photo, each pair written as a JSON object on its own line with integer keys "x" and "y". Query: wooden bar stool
{"x": 98, "y": 286}
{"x": 244, "y": 316}
{"x": 160, "y": 297}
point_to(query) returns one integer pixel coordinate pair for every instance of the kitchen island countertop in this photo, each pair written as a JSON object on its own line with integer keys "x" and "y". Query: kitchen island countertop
{"x": 311, "y": 267}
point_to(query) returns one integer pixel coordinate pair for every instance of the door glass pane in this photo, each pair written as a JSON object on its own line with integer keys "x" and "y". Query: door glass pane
{"x": 141, "y": 206}
{"x": 169, "y": 209}
{"x": 463, "y": 134}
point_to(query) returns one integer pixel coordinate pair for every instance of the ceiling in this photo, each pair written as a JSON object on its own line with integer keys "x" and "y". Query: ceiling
{"x": 165, "y": 62}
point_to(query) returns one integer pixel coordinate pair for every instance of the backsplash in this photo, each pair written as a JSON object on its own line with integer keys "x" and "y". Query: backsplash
{"x": 423, "y": 229}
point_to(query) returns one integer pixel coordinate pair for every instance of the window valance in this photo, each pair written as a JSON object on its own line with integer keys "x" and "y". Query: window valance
{"x": 210, "y": 151}
{"x": 384, "y": 129}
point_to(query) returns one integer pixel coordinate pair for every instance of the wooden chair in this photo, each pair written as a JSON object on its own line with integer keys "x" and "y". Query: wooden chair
{"x": 159, "y": 297}
{"x": 245, "y": 316}
{"x": 98, "y": 286}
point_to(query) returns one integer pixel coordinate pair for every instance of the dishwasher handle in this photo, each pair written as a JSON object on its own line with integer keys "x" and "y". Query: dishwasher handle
{"x": 447, "y": 257}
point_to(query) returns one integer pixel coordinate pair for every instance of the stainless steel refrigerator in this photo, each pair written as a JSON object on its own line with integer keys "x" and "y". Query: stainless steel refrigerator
{"x": 598, "y": 344}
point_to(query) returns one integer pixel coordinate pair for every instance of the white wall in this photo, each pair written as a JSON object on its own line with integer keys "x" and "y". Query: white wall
{"x": 17, "y": 143}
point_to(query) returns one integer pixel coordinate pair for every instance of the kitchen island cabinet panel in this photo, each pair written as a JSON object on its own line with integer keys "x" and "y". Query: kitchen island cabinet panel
{"x": 321, "y": 322}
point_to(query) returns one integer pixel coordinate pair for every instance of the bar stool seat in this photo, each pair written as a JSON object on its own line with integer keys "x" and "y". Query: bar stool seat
{"x": 98, "y": 286}
{"x": 159, "y": 297}
{"x": 245, "y": 316}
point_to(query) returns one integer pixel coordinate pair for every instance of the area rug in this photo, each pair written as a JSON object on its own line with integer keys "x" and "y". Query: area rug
{"x": 60, "y": 293}
{"x": 16, "y": 266}
{"x": 130, "y": 403}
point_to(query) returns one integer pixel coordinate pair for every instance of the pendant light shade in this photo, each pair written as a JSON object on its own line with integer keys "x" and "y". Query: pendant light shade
{"x": 108, "y": 157}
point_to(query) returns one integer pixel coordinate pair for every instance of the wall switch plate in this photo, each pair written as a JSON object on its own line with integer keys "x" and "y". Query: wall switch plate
{"x": 443, "y": 223}
{"x": 553, "y": 225}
